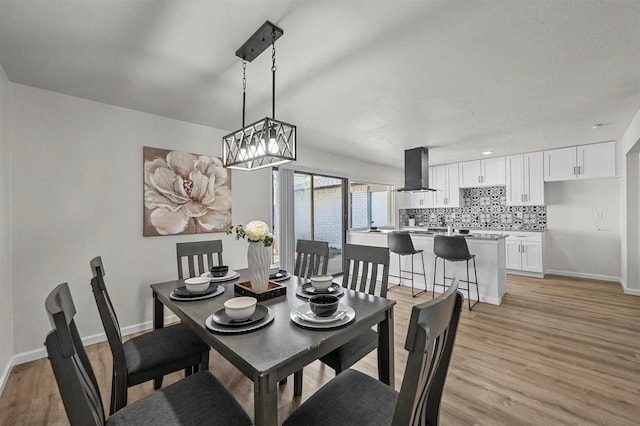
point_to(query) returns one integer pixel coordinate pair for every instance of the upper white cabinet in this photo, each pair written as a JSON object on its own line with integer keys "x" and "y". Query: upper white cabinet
{"x": 445, "y": 181}
{"x": 580, "y": 162}
{"x": 487, "y": 172}
{"x": 525, "y": 183}
{"x": 421, "y": 200}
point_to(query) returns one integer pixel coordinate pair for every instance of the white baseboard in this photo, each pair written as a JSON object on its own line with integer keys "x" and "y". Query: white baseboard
{"x": 525, "y": 273}
{"x": 627, "y": 290}
{"x": 39, "y": 353}
{"x": 583, "y": 275}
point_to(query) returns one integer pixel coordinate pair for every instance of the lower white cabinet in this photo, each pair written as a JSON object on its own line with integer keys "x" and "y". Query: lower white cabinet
{"x": 525, "y": 254}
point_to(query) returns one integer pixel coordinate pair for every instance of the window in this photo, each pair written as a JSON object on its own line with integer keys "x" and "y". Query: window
{"x": 371, "y": 204}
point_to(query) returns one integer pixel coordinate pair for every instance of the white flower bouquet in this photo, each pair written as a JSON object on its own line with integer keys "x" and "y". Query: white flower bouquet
{"x": 254, "y": 231}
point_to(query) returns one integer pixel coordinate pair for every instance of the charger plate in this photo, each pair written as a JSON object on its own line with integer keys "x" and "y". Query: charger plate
{"x": 179, "y": 294}
{"x": 303, "y": 317}
{"x": 223, "y": 329}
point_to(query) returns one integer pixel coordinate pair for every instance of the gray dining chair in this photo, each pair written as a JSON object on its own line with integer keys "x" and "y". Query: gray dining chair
{"x": 148, "y": 356}
{"x": 196, "y": 400}
{"x": 353, "y": 398}
{"x": 199, "y": 256}
{"x": 365, "y": 269}
{"x": 312, "y": 258}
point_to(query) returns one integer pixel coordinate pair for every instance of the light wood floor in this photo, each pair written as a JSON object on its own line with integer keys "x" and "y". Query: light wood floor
{"x": 557, "y": 351}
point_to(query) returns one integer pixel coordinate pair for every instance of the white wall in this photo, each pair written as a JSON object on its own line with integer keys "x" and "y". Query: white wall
{"x": 6, "y": 306}
{"x": 576, "y": 242}
{"x": 77, "y": 185}
{"x": 630, "y": 207}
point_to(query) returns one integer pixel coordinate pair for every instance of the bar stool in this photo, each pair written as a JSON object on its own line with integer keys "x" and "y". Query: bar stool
{"x": 454, "y": 249}
{"x": 400, "y": 243}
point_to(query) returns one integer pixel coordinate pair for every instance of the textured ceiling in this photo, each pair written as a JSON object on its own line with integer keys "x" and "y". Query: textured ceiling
{"x": 366, "y": 79}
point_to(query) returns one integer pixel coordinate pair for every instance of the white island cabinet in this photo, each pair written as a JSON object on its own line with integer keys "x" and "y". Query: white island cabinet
{"x": 490, "y": 262}
{"x": 525, "y": 253}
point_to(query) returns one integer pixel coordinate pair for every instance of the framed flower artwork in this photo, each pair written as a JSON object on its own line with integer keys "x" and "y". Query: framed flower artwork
{"x": 185, "y": 193}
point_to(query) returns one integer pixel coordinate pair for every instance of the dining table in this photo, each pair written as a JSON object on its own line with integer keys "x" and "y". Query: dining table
{"x": 281, "y": 347}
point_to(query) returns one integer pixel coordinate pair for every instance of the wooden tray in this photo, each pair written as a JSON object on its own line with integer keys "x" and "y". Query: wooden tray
{"x": 273, "y": 290}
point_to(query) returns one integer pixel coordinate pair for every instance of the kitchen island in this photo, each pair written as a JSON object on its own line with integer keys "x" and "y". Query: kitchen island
{"x": 488, "y": 248}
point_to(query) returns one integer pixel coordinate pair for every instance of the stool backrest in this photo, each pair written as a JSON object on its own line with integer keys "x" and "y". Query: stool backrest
{"x": 451, "y": 247}
{"x": 400, "y": 243}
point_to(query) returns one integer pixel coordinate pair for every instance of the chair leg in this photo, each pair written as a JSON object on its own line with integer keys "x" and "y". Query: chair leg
{"x": 297, "y": 383}
{"x": 399, "y": 275}
{"x": 157, "y": 382}
{"x": 204, "y": 362}
{"x": 425, "y": 286}
{"x": 469, "y": 285}
{"x": 435, "y": 268}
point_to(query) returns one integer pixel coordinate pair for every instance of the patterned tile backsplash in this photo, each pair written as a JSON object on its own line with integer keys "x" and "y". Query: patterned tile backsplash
{"x": 481, "y": 208}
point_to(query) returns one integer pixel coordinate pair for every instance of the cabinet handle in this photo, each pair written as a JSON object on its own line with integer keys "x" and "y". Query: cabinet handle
{"x": 580, "y": 172}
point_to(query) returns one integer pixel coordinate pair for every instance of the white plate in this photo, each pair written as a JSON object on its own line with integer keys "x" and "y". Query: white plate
{"x": 304, "y": 312}
{"x": 347, "y": 318}
{"x": 231, "y": 275}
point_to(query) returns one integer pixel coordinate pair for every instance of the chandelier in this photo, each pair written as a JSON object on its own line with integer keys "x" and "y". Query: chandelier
{"x": 267, "y": 142}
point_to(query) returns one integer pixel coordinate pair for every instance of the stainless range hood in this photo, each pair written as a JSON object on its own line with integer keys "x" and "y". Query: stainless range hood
{"x": 416, "y": 170}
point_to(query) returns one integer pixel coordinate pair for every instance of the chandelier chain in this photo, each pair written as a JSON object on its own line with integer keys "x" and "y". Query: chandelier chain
{"x": 273, "y": 51}
{"x": 244, "y": 87}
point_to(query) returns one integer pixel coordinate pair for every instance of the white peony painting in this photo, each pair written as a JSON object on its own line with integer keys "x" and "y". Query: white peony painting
{"x": 185, "y": 193}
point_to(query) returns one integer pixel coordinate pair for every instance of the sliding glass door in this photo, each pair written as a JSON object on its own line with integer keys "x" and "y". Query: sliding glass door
{"x": 310, "y": 206}
{"x": 319, "y": 213}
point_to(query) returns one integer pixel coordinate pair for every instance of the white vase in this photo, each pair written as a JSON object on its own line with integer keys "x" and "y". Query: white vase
{"x": 258, "y": 260}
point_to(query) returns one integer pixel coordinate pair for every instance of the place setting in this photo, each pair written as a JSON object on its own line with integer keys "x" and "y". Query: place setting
{"x": 322, "y": 312}
{"x": 276, "y": 274}
{"x": 196, "y": 288}
{"x": 319, "y": 285}
{"x": 239, "y": 315}
{"x": 220, "y": 273}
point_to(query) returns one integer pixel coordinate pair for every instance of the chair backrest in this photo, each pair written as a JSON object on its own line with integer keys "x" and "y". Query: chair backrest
{"x": 400, "y": 243}
{"x": 198, "y": 250}
{"x": 361, "y": 265}
{"x": 312, "y": 258}
{"x": 108, "y": 316}
{"x": 71, "y": 367}
{"x": 451, "y": 247}
{"x": 430, "y": 338}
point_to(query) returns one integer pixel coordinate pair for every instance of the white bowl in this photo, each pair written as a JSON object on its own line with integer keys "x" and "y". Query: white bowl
{"x": 321, "y": 282}
{"x": 274, "y": 269}
{"x": 196, "y": 284}
{"x": 240, "y": 308}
